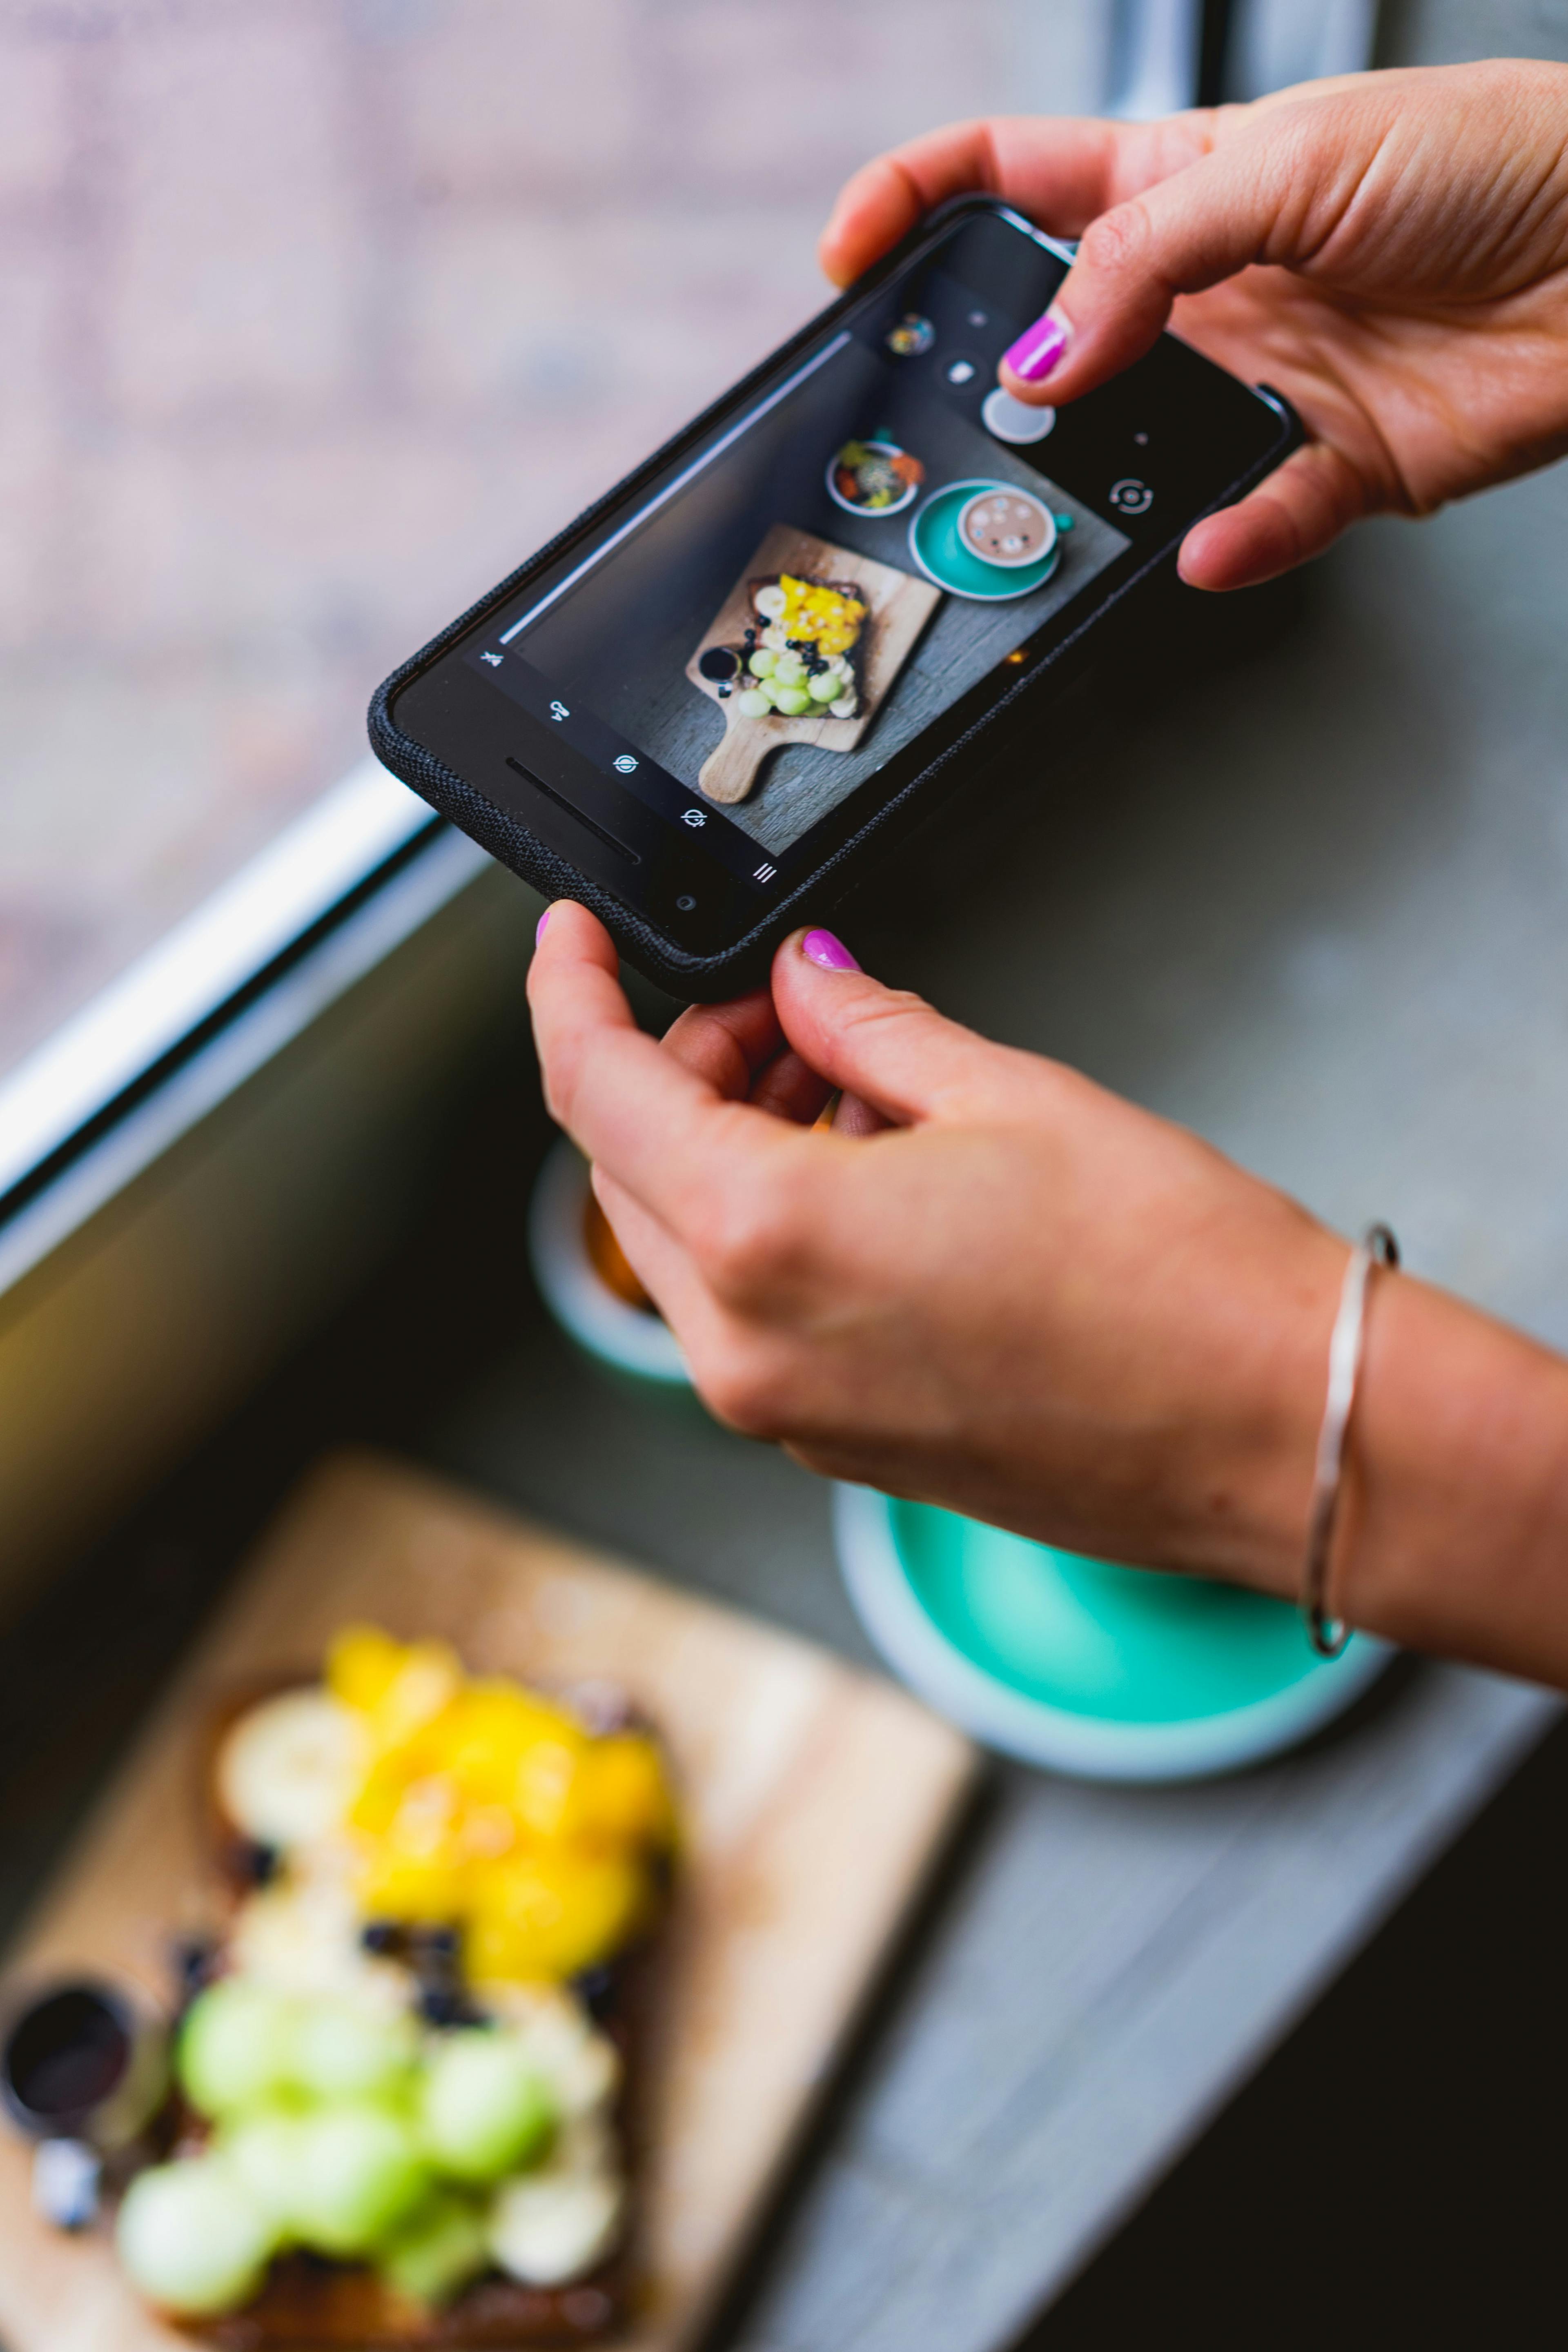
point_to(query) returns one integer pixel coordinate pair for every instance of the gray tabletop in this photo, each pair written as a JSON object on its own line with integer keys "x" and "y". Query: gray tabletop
{"x": 1315, "y": 908}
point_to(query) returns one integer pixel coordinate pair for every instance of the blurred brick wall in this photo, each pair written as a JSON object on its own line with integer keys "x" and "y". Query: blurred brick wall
{"x": 315, "y": 315}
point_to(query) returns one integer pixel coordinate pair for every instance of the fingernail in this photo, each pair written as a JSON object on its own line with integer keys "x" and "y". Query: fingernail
{"x": 1039, "y": 347}
{"x": 539, "y": 934}
{"x": 822, "y": 948}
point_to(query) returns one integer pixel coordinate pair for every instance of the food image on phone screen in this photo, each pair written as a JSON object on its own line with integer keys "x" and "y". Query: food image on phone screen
{"x": 909, "y": 613}
{"x": 703, "y": 691}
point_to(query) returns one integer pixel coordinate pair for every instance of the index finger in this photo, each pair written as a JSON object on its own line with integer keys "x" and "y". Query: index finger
{"x": 662, "y": 1130}
{"x": 1061, "y": 169}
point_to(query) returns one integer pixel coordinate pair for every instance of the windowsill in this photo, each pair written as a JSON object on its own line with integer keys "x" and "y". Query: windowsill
{"x": 356, "y": 875}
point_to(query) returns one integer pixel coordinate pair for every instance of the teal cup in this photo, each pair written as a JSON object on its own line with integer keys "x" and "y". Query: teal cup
{"x": 1104, "y": 1672}
{"x": 937, "y": 546}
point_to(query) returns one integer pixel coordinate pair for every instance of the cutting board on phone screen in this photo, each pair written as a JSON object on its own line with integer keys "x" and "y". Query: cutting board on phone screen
{"x": 897, "y": 606}
{"x": 815, "y": 1799}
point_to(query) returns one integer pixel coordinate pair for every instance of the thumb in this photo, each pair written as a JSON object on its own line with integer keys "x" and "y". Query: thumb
{"x": 1273, "y": 188}
{"x": 882, "y": 1045}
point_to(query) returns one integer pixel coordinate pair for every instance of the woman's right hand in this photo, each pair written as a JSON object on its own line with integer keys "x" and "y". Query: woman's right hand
{"x": 1026, "y": 1299}
{"x": 1389, "y": 250}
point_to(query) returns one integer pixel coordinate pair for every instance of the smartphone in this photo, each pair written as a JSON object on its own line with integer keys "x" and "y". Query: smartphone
{"x": 706, "y": 707}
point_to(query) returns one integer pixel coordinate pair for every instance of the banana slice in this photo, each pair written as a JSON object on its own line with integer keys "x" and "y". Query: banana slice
{"x": 550, "y": 2226}
{"x": 287, "y": 1768}
{"x": 301, "y": 1936}
{"x": 581, "y": 2065}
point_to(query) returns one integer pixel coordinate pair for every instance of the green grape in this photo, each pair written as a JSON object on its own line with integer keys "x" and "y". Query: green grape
{"x": 754, "y": 703}
{"x": 343, "y": 2051}
{"x": 485, "y": 2110}
{"x": 360, "y": 2173}
{"x": 237, "y": 2046}
{"x": 792, "y": 700}
{"x": 262, "y": 2151}
{"x": 788, "y": 668}
{"x": 436, "y": 2251}
{"x": 762, "y": 662}
{"x": 191, "y": 2239}
{"x": 824, "y": 687}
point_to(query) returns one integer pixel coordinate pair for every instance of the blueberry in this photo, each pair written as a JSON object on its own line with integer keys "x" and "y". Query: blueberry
{"x": 193, "y": 1957}
{"x": 66, "y": 2179}
{"x": 435, "y": 1944}
{"x": 444, "y": 2005}
{"x": 595, "y": 1988}
{"x": 381, "y": 1936}
{"x": 258, "y": 1862}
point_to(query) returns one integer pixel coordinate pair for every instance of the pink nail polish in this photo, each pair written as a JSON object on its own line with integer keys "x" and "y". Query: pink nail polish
{"x": 1039, "y": 347}
{"x": 539, "y": 934}
{"x": 822, "y": 948}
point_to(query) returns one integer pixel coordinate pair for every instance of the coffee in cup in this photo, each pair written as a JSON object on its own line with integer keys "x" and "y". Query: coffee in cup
{"x": 1006, "y": 527}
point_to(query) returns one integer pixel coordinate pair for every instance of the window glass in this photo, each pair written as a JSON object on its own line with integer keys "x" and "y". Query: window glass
{"x": 318, "y": 315}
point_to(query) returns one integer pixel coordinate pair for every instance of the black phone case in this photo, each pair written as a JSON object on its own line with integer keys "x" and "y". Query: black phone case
{"x": 711, "y": 978}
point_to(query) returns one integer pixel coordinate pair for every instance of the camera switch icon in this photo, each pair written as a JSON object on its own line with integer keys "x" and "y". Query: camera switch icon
{"x": 1132, "y": 496}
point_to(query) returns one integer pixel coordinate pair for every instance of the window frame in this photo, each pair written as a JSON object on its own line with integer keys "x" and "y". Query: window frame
{"x": 222, "y": 991}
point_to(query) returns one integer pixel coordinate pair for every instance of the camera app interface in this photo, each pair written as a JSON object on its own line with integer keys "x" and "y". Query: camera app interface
{"x": 869, "y": 541}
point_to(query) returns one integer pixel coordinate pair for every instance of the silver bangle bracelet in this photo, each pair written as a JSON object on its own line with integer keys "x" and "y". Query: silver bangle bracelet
{"x": 1377, "y": 1246}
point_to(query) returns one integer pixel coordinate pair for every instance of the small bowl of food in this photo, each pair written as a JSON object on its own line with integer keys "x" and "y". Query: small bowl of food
{"x": 873, "y": 478}
{"x": 587, "y": 1283}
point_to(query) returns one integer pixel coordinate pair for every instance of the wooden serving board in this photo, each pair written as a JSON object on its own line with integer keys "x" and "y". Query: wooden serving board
{"x": 815, "y": 1799}
{"x": 898, "y": 607}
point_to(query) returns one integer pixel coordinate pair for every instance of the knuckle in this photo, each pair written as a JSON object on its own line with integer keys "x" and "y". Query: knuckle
{"x": 740, "y": 1252}
{"x": 559, "y": 1075}
{"x": 896, "y": 1012}
{"x": 751, "y": 1243}
{"x": 1116, "y": 242}
{"x": 745, "y": 1385}
{"x": 886, "y": 1005}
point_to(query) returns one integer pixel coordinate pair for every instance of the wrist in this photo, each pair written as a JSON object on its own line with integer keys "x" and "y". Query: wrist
{"x": 1253, "y": 1490}
{"x": 1453, "y": 1533}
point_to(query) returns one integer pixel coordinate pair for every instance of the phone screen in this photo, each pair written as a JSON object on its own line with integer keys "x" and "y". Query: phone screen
{"x": 869, "y": 549}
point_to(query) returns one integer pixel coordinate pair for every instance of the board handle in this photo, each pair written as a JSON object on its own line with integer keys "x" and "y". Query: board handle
{"x": 730, "y": 770}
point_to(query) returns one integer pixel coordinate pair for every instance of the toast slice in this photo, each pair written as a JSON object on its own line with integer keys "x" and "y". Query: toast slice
{"x": 821, "y": 625}
{"x": 308, "y": 2302}
{"x": 317, "y": 1917}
